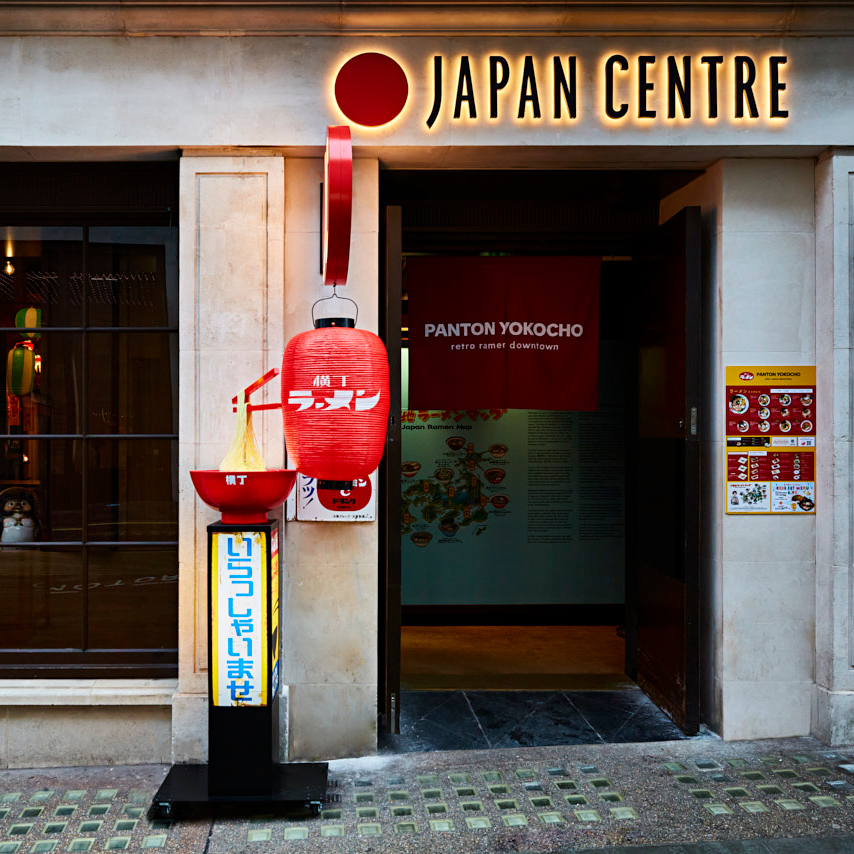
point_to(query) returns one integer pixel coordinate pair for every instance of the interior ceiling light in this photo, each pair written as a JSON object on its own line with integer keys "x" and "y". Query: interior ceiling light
{"x": 8, "y": 269}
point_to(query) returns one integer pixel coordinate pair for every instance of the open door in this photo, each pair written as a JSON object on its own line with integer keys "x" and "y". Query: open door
{"x": 664, "y": 514}
{"x": 389, "y": 575}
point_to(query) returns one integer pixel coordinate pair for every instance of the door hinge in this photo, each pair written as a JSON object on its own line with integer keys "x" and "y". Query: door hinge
{"x": 693, "y": 420}
{"x": 393, "y": 727}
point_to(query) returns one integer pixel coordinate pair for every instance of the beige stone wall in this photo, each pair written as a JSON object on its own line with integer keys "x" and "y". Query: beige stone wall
{"x": 758, "y": 572}
{"x": 250, "y": 241}
{"x": 231, "y": 308}
{"x": 50, "y": 722}
{"x": 47, "y": 736}
{"x": 833, "y": 697}
{"x": 329, "y": 580}
{"x": 778, "y": 623}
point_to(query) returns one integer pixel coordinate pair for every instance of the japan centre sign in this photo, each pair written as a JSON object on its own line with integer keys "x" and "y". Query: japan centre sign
{"x": 615, "y": 87}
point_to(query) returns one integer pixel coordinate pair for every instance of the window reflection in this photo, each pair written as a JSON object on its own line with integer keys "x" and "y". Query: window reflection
{"x": 42, "y": 270}
{"x": 43, "y": 592}
{"x": 128, "y": 270}
{"x": 133, "y": 490}
{"x": 88, "y": 319}
{"x": 133, "y": 386}
{"x": 50, "y": 472}
{"x": 133, "y": 597}
{"x": 52, "y": 404}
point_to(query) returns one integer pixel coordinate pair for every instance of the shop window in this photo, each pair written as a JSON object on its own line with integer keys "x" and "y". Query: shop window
{"x": 89, "y": 450}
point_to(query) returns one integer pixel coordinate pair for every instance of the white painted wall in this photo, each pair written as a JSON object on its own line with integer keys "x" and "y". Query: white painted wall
{"x": 250, "y": 91}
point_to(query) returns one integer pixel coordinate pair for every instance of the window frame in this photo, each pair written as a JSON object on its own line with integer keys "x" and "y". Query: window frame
{"x": 156, "y": 184}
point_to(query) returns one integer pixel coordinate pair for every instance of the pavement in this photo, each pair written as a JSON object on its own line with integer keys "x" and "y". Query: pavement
{"x": 703, "y": 796}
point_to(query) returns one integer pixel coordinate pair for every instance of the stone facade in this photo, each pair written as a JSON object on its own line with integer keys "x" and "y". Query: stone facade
{"x": 247, "y": 117}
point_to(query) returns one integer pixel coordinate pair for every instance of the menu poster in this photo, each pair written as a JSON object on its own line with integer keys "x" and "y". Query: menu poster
{"x": 770, "y": 439}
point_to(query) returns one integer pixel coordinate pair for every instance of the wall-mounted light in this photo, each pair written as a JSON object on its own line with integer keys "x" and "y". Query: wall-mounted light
{"x": 8, "y": 269}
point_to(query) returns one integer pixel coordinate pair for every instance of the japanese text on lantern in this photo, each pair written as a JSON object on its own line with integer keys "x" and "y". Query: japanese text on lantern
{"x": 239, "y": 619}
{"x": 359, "y": 400}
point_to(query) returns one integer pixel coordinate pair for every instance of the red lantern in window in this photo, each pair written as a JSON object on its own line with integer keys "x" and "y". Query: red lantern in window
{"x": 335, "y": 402}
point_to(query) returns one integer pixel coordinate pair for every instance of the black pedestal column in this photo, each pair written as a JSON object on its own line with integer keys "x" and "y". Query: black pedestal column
{"x": 243, "y": 688}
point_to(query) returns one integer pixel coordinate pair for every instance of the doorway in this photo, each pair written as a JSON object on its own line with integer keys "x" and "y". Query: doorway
{"x": 580, "y": 623}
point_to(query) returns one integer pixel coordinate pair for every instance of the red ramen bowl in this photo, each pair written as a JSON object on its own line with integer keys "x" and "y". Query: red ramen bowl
{"x": 244, "y": 497}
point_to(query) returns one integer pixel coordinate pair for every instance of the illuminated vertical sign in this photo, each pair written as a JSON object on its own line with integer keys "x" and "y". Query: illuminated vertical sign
{"x": 239, "y": 618}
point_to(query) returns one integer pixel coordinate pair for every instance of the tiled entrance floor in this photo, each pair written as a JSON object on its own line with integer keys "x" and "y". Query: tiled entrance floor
{"x": 474, "y": 720}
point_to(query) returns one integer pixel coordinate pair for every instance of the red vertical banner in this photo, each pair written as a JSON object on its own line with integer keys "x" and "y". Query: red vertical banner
{"x": 503, "y": 332}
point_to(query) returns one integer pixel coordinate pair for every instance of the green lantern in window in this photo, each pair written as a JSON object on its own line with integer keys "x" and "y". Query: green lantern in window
{"x": 29, "y": 318}
{"x": 20, "y": 370}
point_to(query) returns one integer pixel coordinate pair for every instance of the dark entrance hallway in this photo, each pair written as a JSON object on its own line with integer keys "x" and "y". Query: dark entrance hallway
{"x": 572, "y": 696}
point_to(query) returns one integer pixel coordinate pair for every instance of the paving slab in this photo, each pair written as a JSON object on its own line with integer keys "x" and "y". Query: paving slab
{"x": 700, "y": 796}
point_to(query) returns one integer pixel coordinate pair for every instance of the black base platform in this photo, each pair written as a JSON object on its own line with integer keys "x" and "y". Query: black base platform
{"x": 298, "y": 788}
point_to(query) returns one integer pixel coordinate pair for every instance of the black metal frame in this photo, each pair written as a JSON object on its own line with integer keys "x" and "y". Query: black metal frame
{"x": 555, "y": 212}
{"x": 389, "y": 574}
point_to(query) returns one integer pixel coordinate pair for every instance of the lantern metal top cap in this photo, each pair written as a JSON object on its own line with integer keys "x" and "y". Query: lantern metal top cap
{"x": 338, "y": 318}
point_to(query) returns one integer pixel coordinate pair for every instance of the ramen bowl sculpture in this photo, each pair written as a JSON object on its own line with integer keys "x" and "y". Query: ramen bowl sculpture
{"x": 244, "y": 497}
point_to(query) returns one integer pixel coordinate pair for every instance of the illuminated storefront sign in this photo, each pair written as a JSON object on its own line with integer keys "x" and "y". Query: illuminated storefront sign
{"x": 643, "y": 88}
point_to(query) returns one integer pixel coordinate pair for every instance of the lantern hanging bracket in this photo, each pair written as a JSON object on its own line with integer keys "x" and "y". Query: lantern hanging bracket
{"x": 334, "y": 321}
{"x": 254, "y": 407}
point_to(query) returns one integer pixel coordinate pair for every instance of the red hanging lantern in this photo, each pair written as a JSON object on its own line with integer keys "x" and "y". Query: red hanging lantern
{"x": 335, "y": 402}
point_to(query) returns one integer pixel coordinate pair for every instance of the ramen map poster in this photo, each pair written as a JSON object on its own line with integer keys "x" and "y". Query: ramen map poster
{"x": 770, "y": 440}
{"x": 515, "y": 506}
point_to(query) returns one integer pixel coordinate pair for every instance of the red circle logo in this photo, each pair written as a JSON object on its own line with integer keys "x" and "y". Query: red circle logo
{"x": 371, "y": 89}
{"x": 356, "y": 498}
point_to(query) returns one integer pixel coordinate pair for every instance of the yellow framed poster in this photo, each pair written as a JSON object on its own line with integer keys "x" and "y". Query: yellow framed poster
{"x": 770, "y": 440}
{"x": 274, "y": 602}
